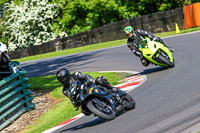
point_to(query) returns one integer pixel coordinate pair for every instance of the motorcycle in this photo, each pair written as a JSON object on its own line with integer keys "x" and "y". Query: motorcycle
{"x": 4, "y": 57}
{"x": 102, "y": 102}
{"x": 156, "y": 52}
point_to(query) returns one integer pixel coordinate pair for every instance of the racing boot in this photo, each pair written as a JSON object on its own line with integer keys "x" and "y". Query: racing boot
{"x": 85, "y": 112}
{"x": 144, "y": 61}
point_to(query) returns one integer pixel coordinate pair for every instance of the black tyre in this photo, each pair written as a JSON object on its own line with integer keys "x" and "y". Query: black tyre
{"x": 5, "y": 57}
{"x": 165, "y": 61}
{"x": 100, "y": 111}
{"x": 130, "y": 102}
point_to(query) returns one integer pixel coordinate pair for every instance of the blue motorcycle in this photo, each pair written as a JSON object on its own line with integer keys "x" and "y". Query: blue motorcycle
{"x": 102, "y": 102}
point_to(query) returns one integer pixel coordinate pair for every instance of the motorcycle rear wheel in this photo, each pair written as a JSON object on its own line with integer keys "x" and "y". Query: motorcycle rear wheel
{"x": 93, "y": 107}
{"x": 166, "y": 61}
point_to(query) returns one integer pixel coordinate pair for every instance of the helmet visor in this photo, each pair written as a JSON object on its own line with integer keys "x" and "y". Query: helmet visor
{"x": 130, "y": 34}
{"x": 65, "y": 80}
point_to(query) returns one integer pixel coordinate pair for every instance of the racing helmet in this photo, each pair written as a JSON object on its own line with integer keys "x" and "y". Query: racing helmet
{"x": 63, "y": 76}
{"x": 128, "y": 30}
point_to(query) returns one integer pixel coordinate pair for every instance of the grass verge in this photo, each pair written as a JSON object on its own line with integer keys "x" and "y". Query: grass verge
{"x": 171, "y": 33}
{"x": 64, "y": 110}
{"x": 96, "y": 46}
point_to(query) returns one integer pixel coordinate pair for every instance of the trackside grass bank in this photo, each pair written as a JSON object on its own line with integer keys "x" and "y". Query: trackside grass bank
{"x": 64, "y": 110}
{"x": 97, "y": 46}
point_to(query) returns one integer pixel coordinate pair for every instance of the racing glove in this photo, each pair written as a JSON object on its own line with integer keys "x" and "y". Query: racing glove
{"x": 156, "y": 38}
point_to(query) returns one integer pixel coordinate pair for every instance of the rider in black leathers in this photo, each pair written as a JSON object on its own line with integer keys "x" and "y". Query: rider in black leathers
{"x": 69, "y": 82}
{"x": 135, "y": 36}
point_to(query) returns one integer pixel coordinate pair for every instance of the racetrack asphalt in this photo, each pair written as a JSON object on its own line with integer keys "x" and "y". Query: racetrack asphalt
{"x": 169, "y": 101}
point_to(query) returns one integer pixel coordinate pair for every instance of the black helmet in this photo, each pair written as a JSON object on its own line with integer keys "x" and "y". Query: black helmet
{"x": 63, "y": 76}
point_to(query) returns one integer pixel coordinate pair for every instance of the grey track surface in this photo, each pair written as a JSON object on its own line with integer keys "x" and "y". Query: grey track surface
{"x": 168, "y": 101}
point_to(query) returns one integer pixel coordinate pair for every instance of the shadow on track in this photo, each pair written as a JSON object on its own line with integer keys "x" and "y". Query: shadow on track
{"x": 94, "y": 122}
{"x": 50, "y": 66}
{"x": 153, "y": 70}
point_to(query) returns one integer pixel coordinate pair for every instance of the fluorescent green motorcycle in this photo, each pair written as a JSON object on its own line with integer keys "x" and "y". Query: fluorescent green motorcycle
{"x": 156, "y": 52}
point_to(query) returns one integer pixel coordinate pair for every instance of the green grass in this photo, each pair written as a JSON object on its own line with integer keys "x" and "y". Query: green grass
{"x": 96, "y": 46}
{"x": 64, "y": 110}
{"x": 165, "y": 34}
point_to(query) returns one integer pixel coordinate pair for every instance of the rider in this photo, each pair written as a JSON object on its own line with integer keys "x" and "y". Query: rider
{"x": 4, "y": 58}
{"x": 69, "y": 82}
{"x": 134, "y": 37}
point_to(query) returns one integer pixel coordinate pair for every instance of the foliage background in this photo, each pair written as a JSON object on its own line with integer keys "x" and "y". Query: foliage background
{"x": 75, "y": 16}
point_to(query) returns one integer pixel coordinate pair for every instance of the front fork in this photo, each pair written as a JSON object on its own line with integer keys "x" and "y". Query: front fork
{"x": 110, "y": 100}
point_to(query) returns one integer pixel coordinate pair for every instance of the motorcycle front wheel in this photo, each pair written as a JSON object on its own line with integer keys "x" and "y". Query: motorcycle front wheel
{"x": 101, "y": 109}
{"x": 166, "y": 61}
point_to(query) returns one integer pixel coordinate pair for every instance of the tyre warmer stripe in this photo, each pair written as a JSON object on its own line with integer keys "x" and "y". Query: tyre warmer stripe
{"x": 130, "y": 84}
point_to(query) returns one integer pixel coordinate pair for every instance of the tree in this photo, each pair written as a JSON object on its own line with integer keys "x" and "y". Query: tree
{"x": 33, "y": 22}
{"x": 81, "y": 15}
{"x": 30, "y": 23}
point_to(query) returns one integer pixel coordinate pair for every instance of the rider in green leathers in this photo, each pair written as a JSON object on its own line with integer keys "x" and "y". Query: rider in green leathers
{"x": 135, "y": 36}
